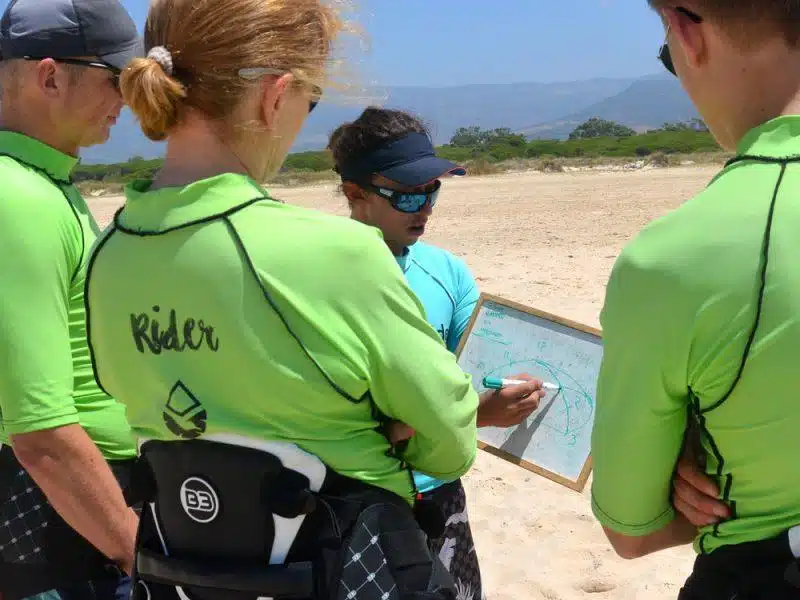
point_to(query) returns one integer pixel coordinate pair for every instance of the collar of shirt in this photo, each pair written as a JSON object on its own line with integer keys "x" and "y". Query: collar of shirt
{"x": 38, "y": 155}
{"x": 405, "y": 260}
{"x": 155, "y": 211}
{"x": 777, "y": 138}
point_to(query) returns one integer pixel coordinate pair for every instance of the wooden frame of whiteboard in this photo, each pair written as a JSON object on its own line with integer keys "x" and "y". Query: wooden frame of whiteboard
{"x": 578, "y": 484}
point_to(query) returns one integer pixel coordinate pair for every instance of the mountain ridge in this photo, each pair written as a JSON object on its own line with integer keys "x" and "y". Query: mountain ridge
{"x": 535, "y": 109}
{"x": 645, "y": 104}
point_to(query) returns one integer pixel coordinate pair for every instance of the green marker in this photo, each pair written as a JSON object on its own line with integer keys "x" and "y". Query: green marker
{"x": 498, "y": 383}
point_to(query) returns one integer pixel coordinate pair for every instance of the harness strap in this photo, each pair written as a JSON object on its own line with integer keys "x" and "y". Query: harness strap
{"x": 288, "y": 495}
{"x": 294, "y": 580}
{"x": 142, "y": 488}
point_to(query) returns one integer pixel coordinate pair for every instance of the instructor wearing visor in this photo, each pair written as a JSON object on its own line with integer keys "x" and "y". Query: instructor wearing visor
{"x": 391, "y": 177}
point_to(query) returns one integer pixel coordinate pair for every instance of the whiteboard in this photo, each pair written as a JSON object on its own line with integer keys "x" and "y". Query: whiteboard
{"x": 505, "y": 339}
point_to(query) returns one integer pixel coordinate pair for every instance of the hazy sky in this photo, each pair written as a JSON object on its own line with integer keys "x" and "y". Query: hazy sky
{"x": 447, "y": 42}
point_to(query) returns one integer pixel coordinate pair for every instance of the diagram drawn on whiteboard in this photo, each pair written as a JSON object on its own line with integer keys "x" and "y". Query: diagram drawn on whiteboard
{"x": 506, "y": 339}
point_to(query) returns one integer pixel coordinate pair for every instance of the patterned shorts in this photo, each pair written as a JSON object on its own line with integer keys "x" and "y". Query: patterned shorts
{"x": 38, "y": 550}
{"x": 24, "y": 516}
{"x": 455, "y": 547}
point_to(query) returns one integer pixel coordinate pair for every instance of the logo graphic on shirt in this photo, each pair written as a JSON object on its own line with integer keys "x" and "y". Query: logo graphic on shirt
{"x": 183, "y": 414}
{"x": 199, "y": 500}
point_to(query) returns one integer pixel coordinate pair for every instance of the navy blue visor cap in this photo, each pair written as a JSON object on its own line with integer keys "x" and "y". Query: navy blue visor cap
{"x": 410, "y": 161}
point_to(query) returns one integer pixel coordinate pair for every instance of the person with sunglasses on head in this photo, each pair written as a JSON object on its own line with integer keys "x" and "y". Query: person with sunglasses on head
{"x": 700, "y": 325}
{"x": 63, "y": 521}
{"x": 391, "y": 177}
{"x": 262, "y": 349}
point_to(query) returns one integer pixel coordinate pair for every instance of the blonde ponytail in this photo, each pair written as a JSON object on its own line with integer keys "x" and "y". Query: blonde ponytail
{"x": 209, "y": 42}
{"x": 154, "y": 96}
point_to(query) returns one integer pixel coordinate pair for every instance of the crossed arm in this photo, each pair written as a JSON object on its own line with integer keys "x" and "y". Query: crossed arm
{"x": 643, "y": 473}
{"x": 694, "y": 497}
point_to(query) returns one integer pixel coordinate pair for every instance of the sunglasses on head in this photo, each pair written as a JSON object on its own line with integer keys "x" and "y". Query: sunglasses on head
{"x": 406, "y": 202}
{"x": 93, "y": 64}
{"x": 664, "y": 55}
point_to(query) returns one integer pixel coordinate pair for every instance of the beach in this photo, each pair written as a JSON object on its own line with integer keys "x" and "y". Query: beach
{"x": 548, "y": 241}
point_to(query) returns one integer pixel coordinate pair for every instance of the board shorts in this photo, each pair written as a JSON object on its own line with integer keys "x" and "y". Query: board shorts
{"x": 39, "y": 551}
{"x": 455, "y": 546}
{"x": 763, "y": 570}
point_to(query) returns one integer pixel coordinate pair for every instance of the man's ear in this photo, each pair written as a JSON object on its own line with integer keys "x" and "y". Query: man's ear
{"x": 689, "y": 37}
{"x": 273, "y": 97}
{"x": 50, "y": 79}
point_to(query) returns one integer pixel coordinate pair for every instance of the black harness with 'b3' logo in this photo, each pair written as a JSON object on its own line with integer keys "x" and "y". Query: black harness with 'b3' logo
{"x": 230, "y": 522}
{"x": 199, "y": 500}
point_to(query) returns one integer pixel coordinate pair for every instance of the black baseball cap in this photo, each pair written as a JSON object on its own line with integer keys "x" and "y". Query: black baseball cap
{"x": 69, "y": 29}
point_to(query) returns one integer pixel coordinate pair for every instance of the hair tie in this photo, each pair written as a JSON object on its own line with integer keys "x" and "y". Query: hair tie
{"x": 163, "y": 57}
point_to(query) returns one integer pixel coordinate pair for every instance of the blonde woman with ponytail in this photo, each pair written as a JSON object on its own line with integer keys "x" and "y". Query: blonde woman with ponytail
{"x": 261, "y": 349}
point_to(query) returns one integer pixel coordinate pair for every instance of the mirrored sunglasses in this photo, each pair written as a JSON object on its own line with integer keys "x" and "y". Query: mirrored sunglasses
{"x": 406, "y": 202}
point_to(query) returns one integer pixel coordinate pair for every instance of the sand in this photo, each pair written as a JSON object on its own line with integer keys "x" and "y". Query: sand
{"x": 548, "y": 241}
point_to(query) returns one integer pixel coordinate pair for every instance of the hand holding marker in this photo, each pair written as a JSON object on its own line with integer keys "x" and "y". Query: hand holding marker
{"x": 502, "y": 407}
{"x": 509, "y": 402}
{"x": 498, "y": 383}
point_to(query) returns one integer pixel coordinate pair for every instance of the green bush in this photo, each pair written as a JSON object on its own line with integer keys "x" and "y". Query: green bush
{"x": 455, "y": 154}
{"x": 309, "y": 161}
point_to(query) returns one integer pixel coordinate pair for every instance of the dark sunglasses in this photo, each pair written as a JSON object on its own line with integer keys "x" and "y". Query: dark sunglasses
{"x": 664, "y": 55}
{"x": 84, "y": 63}
{"x": 312, "y": 104}
{"x": 406, "y": 202}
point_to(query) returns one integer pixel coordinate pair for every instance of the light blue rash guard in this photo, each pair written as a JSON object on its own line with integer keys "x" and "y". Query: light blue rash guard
{"x": 448, "y": 292}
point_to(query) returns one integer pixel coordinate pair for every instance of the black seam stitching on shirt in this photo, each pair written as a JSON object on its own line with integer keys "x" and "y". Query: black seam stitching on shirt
{"x": 42, "y": 170}
{"x": 224, "y": 216}
{"x": 726, "y": 493}
{"x": 80, "y": 227}
{"x": 696, "y": 414}
{"x": 268, "y": 297}
{"x": 87, "y": 306}
{"x": 762, "y": 286}
{"x": 700, "y": 413}
{"x": 773, "y": 160}
{"x": 58, "y": 182}
{"x": 626, "y": 524}
{"x": 205, "y": 220}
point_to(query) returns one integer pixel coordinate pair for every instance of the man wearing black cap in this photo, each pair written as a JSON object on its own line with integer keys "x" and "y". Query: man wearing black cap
{"x": 63, "y": 521}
